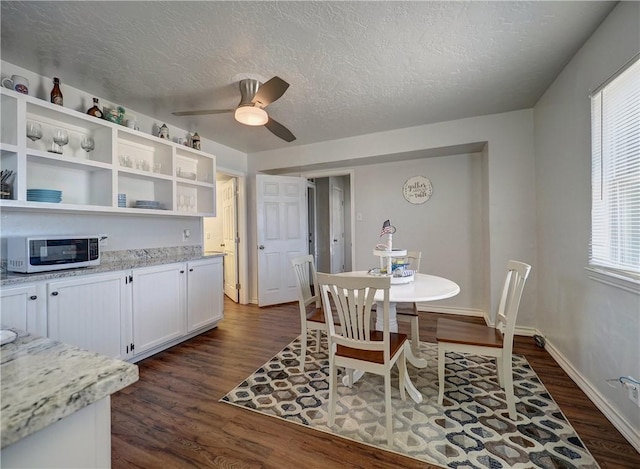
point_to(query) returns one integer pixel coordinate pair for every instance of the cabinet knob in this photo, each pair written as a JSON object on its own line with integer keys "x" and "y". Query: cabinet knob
{"x": 33, "y": 297}
{"x": 190, "y": 270}
{"x": 54, "y": 293}
{"x": 261, "y": 247}
{"x": 221, "y": 244}
{"x": 182, "y": 271}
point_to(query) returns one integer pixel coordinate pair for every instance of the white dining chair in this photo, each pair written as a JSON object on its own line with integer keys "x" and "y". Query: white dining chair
{"x": 357, "y": 345}
{"x": 311, "y": 313}
{"x": 497, "y": 342}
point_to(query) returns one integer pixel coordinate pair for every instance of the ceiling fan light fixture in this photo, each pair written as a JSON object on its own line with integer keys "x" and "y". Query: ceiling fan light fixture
{"x": 251, "y": 115}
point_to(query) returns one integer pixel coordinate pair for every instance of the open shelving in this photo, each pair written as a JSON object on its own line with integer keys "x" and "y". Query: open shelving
{"x": 124, "y": 161}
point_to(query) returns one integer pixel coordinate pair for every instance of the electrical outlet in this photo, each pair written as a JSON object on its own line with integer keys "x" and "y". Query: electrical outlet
{"x": 208, "y": 235}
{"x": 186, "y": 234}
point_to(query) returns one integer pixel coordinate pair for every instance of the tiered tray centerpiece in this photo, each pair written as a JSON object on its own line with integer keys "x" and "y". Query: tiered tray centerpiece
{"x": 393, "y": 262}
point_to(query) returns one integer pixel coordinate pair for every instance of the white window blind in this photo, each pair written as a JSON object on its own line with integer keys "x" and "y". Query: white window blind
{"x": 615, "y": 174}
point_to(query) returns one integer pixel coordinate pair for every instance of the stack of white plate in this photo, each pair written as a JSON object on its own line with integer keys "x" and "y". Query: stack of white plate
{"x": 44, "y": 195}
{"x": 150, "y": 204}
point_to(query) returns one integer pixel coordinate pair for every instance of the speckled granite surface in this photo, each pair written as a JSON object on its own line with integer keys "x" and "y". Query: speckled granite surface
{"x": 117, "y": 260}
{"x": 44, "y": 380}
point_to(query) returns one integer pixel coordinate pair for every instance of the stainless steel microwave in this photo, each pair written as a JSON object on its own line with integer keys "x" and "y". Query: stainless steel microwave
{"x": 42, "y": 253}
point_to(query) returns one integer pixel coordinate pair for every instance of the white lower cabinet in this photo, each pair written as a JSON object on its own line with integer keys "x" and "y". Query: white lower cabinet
{"x": 158, "y": 305}
{"x": 20, "y": 307}
{"x": 204, "y": 293}
{"x": 125, "y": 314}
{"x": 91, "y": 312}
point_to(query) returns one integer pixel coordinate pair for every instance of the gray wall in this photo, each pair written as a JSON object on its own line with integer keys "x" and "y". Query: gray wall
{"x": 594, "y": 326}
{"x": 447, "y": 228}
{"x": 506, "y": 213}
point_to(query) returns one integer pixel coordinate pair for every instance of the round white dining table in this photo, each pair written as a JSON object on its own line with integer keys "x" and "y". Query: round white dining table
{"x": 424, "y": 287}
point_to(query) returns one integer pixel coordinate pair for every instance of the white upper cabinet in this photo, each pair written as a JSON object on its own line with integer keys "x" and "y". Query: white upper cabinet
{"x": 157, "y": 176}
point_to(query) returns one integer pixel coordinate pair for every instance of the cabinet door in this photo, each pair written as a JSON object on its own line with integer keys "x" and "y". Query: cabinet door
{"x": 18, "y": 307}
{"x": 159, "y": 309}
{"x": 204, "y": 297}
{"x": 89, "y": 312}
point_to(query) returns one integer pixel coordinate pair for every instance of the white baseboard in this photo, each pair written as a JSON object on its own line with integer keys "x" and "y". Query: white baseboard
{"x": 631, "y": 434}
{"x": 526, "y": 331}
{"x": 450, "y": 310}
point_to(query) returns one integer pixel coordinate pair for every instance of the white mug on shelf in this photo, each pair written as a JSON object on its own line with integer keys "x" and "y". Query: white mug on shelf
{"x": 17, "y": 83}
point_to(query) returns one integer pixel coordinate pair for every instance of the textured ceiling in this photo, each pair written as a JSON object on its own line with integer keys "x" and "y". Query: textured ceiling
{"x": 354, "y": 67}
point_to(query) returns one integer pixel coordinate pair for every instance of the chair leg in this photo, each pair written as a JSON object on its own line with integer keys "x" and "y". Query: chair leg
{"x": 402, "y": 373}
{"x": 387, "y": 406}
{"x": 507, "y": 376}
{"x": 303, "y": 349}
{"x": 499, "y": 367}
{"x": 415, "y": 336}
{"x": 333, "y": 385}
{"x": 318, "y": 335}
{"x": 441, "y": 353}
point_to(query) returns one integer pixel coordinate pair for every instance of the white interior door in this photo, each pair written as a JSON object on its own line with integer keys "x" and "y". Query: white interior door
{"x": 230, "y": 238}
{"x": 337, "y": 230}
{"x": 282, "y": 234}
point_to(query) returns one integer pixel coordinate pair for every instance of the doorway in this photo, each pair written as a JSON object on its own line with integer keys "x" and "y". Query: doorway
{"x": 226, "y": 233}
{"x": 330, "y": 222}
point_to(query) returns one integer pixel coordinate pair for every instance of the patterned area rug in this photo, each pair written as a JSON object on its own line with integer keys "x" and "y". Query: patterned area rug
{"x": 471, "y": 430}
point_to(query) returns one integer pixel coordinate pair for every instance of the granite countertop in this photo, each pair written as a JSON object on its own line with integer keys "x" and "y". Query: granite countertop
{"x": 44, "y": 380}
{"x": 117, "y": 260}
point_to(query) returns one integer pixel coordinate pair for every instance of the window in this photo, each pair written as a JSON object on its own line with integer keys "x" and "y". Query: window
{"x": 615, "y": 174}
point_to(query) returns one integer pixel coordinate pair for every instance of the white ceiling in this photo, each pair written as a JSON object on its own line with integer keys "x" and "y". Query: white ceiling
{"x": 354, "y": 67}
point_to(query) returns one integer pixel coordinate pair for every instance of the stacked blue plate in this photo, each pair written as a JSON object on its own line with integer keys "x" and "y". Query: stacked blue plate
{"x": 150, "y": 204}
{"x": 44, "y": 195}
{"x": 122, "y": 200}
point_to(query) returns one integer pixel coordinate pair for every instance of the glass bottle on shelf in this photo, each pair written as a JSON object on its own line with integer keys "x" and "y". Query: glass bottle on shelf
{"x": 56, "y": 94}
{"x": 195, "y": 141}
{"x": 95, "y": 110}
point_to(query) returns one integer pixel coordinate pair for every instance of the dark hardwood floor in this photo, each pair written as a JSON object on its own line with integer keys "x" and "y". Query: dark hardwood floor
{"x": 172, "y": 418}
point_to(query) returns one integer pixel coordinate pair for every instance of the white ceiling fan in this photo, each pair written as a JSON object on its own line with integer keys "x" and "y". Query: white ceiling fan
{"x": 254, "y": 97}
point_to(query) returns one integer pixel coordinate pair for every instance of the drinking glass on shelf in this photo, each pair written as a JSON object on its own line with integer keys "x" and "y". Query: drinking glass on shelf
{"x": 88, "y": 143}
{"x": 192, "y": 203}
{"x": 181, "y": 203}
{"x": 125, "y": 161}
{"x": 60, "y": 139}
{"x": 34, "y": 130}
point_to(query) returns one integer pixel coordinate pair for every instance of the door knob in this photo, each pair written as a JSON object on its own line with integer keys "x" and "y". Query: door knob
{"x": 261, "y": 247}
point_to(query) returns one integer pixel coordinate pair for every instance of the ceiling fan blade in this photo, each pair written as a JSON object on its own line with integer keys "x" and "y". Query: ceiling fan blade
{"x": 279, "y": 130}
{"x": 270, "y": 91}
{"x": 202, "y": 113}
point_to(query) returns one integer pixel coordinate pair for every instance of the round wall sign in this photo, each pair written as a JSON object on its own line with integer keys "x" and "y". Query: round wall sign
{"x": 417, "y": 190}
